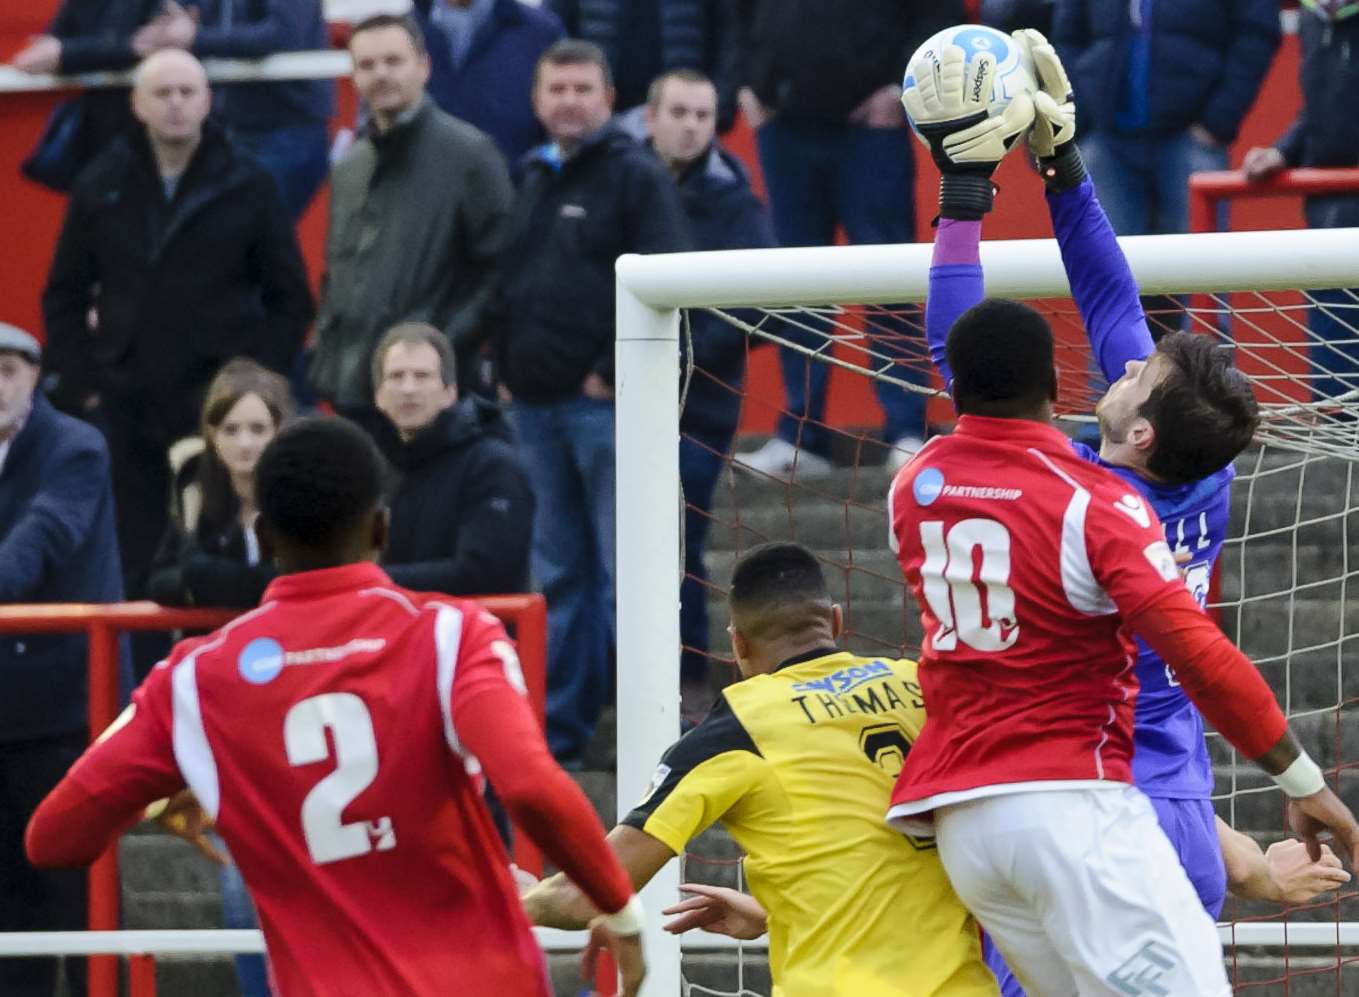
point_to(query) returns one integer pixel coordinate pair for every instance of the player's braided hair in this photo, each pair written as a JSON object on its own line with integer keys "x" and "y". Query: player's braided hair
{"x": 317, "y": 479}
{"x": 1203, "y": 410}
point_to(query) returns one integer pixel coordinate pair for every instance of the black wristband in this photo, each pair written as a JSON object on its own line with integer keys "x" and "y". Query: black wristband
{"x": 964, "y": 196}
{"x": 1064, "y": 171}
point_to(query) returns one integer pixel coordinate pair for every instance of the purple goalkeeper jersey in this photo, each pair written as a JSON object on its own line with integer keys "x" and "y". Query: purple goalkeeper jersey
{"x": 1170, "y": 759}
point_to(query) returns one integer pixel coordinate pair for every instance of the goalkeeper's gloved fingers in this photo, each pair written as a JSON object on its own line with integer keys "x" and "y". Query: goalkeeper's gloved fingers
{"x": 1051, "y": 75}
{"x": 1054, "y": 125}
{"x": 986, "y": 142}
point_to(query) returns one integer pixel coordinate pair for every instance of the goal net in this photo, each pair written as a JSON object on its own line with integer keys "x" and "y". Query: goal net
{"x": 1285, "y": 582}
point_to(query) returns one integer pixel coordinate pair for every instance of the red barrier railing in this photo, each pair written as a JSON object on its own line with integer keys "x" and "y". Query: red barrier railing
{"x": 1207, "y": 189}
{"x": 525, "y": 615}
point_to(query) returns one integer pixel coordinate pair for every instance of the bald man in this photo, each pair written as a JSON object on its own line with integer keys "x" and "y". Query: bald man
{"x": 176, "y": 255}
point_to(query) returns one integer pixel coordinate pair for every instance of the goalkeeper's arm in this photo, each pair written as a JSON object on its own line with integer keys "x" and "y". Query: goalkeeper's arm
{"x": 1102, "y": 283}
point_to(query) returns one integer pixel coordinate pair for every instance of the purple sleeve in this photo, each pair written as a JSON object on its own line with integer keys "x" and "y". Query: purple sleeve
{"x": 1101, "y": 282}
{"x": 955, "y": 286}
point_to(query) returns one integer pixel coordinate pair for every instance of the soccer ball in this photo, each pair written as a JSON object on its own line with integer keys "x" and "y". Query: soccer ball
{"x": 1014, "y": 69}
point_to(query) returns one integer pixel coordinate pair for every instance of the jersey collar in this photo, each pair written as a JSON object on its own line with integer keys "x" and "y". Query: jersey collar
{"x": 812, "y": 655}
{"x": 326, "y": 581}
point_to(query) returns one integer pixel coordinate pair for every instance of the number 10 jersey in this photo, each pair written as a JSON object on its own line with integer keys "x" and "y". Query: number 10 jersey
{"x": 1024, "y": 559}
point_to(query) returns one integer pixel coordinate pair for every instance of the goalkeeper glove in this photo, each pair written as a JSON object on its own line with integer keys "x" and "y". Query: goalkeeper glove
{"x": 948, "y": 102}
{"x": 1052, "y": 138}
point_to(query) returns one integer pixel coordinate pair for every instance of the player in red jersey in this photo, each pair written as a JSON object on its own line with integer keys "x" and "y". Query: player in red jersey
{"x": 337, "y": 735}
{"x": 1032, "y": 569}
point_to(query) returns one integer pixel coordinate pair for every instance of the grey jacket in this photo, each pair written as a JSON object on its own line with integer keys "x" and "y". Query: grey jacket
{"x": 418, "y": 219}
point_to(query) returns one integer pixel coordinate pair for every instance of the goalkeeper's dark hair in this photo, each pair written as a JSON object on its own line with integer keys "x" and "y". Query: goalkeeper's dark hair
{"x": 317, "y": 482}
{"x": 778, "y": 589}
{"x": 1001, "y": 354}
{"x": 1203, "y": 409}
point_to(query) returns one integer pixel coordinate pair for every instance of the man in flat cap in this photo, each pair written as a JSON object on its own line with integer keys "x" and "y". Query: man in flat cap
{"x": 57, "y": 544}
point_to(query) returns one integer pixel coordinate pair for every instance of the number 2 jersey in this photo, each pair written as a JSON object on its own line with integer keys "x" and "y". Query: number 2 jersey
{"x": 798, "y": 766}
{"x": 1171, "y": 758}
{"x": 329, "y": 734}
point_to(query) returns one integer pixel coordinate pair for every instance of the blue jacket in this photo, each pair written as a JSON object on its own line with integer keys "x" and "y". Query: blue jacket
{"x": 491, "y": 88}
{"x": 252, "y": 29}
{"x": 1326, "y": 131}
{"x": 57, "y": 544}
{"x": 1206, "y": 61}
{"x": 723, "y": 213}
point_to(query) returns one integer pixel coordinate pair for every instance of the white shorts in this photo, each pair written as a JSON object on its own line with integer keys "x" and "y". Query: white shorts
{"x": 1082, "y": 893}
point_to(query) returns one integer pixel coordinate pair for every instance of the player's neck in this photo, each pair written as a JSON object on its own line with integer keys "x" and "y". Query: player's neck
{"x": 1128, "y": 456}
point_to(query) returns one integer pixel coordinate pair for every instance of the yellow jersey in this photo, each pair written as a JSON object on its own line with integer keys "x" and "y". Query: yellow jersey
{"x": 799, "y": 765}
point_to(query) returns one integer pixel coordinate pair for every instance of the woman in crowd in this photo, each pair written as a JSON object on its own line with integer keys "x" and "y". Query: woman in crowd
{"x": 211, "y": 556}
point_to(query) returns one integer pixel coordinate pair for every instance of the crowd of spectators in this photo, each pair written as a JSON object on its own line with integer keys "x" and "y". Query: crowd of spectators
{"x": 507, "y": 154}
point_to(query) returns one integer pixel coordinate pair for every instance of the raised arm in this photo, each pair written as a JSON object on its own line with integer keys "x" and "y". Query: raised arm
{"x": 942, "y": 96}
{"x": 1101, "y": 282}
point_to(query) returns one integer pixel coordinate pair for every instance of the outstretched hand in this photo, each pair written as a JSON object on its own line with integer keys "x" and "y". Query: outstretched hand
{"x": 1310, "y": 816}
{"x": 1297, "y": 877}
{"x": 719, "y": 910}
{"x": 948, "y": 99}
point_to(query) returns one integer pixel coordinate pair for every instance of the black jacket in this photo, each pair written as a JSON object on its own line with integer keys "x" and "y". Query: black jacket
{"x": 571, "y": 222}
{"x": 1207, "y": 60}
{"x": 814, "y": 62}
{"x": 207, "y": 566}
{"x": 1326, "y": 131}
{"x": 180, "y": 285}
{"x": 462, "y": 509}
{"x": 723, "y": 213}
{"x": 57, "y": 544}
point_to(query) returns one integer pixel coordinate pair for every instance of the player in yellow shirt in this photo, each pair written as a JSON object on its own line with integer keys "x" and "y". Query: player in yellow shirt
{"x": 797, "y": 761}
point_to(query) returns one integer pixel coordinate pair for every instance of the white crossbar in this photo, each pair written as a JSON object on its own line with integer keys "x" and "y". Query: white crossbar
{"x": 1269, "y": 934}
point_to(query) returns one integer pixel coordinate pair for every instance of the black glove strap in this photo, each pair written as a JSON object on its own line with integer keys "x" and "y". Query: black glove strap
{"x": 964, "y": 196}
{"x": 935, "y": 134}
{"x": 1064, "y": 171}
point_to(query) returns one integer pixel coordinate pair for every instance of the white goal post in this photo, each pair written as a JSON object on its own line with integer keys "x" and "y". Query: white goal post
{"x": 652, "y": 291}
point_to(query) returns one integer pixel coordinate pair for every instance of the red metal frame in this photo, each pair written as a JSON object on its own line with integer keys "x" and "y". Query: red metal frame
{"x": 1207, "y": 189}
{"x": 525, "y": 614}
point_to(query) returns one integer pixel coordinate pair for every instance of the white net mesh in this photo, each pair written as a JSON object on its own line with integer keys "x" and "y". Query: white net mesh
{"x": 1285, "y": 577}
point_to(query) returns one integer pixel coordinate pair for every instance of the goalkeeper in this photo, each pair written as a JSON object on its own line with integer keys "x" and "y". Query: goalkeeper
{"x": 797, "y": 761}
{"x": 1176, "y": 415}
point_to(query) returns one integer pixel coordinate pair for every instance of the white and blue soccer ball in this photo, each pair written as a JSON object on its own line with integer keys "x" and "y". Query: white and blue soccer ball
{"x": 1014, "y": 68}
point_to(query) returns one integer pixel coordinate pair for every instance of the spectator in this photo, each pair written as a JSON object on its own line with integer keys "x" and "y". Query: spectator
{"x": 587, "y": 197}
{"x": 824, "y": 96}
{"x": 57, "y": 544}
{"x": 1164, "y": 85}
{"x": 210, "y": 555}
{"x": 481, "y": 56}
{"x": 1325, "y": 134}
{"x": 1010, "y": 15}
{"x": 282, "y": 124}
{"x": 723, "y": 213}
{"x": 180, "y": 247}
{"x": 644, "y": 38}
{"x": 89, "y": 35}
{"x": 418, "y": 217}
{"x": 462, "y": 512}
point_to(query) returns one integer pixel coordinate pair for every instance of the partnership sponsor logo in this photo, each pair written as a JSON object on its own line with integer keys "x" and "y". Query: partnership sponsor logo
{"x": 263, "y": 659}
